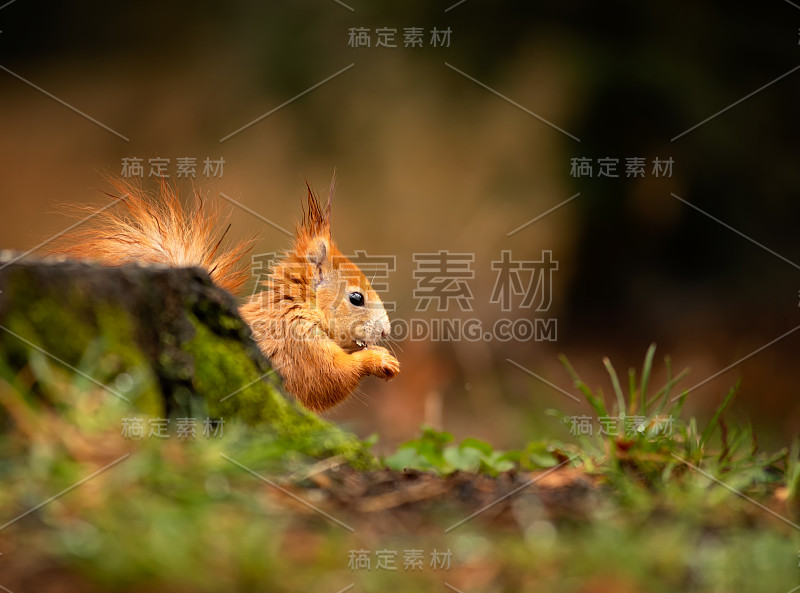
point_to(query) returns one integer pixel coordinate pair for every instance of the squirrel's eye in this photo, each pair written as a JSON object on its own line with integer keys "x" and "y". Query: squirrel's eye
{"x": 357, "y": 299}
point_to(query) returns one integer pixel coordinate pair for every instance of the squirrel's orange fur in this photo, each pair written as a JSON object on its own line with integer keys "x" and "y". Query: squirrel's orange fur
{"x": 318, "y": 340}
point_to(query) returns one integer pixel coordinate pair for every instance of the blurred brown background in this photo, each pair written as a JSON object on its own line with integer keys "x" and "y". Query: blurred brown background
{"x": 427, "y": 159}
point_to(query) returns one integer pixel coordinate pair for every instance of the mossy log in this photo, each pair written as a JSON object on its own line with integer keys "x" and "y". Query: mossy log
{"x": 171, "y": 329}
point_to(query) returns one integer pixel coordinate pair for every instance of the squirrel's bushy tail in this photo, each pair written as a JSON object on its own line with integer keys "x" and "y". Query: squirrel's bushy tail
{"x": 148, "y": 228}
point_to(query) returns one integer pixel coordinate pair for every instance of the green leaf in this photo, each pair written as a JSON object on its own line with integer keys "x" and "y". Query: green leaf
{"x": 405, "y": 458}
{"x": 482, "y": 446}
{"x": 466, "y": 459}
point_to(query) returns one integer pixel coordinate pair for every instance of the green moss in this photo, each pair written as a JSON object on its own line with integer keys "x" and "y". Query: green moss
{"x": 118, "y": 341}
{"x": 233, "y": 385}
{"x": 100, "y": 341}
{"x": 66, "y": 334}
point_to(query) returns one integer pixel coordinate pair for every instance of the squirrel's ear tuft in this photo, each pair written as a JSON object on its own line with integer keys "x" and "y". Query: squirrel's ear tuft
{"x": 316, "y": 220}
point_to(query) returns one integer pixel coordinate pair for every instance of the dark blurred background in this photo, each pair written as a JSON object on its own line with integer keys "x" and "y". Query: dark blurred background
{"x": 429, "y": 159}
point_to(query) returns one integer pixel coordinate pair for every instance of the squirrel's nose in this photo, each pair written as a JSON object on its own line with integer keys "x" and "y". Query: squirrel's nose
{"x": 386, "y": 329}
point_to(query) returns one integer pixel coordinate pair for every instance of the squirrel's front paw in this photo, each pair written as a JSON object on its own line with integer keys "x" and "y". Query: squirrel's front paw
{"x": 379, "y": 362}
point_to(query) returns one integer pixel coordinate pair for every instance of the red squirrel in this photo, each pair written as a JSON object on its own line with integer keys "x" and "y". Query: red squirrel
{"x": 318, "y": 320}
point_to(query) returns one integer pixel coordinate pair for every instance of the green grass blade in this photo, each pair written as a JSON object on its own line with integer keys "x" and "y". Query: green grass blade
{"x": 633, "y": 394}
{"x": 647, "y": 367}
{"x": 692, "y": 441}
{"x": 597, "y": 403}
{"x": 793, "y": 470}
{"x": 621, "y": 407}
{"x": 662, "y": 396}
{"x": 714, "y": 422}
{"x": 675, "y": 410}
{"x": 664, "y": 391}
